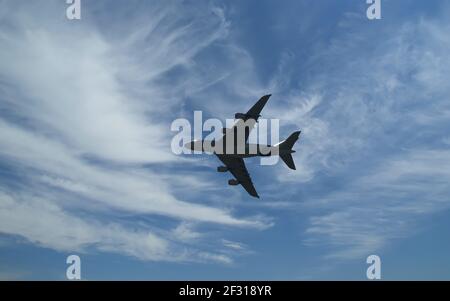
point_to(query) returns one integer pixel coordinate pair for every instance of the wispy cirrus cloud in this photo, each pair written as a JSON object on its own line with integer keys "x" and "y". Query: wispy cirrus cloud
{"x": 374, "y": 120}
{"x": 384, "y": 204}
{"x": 85, "y": 121}
{"x": 86, "y": 108}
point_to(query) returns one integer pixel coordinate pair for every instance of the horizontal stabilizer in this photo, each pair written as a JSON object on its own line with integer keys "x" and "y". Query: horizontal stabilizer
{"x": 287, "y": 158}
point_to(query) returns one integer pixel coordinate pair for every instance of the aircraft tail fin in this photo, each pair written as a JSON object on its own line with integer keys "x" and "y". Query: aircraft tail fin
{"x": 287, "y": 145}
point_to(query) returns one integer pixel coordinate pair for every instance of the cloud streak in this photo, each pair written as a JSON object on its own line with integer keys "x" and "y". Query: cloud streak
{"x": 82, "y": 129}
{"x": 374, "y": 121}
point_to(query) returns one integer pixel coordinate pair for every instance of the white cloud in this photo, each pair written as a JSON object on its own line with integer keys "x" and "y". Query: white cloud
{"x": 132, "y": 190}
{"x": 76, "y": 93}
{"x": 44, "y": 223}
{"x": 234, "y": 245}
{"x": 384, "y": 204}
{"x": 184, "y": 232}
{"x": 384, "y": 113}
{"x": 84, "y": 109}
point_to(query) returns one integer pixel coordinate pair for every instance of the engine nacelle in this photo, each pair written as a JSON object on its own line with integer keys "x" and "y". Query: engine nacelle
{"x": 222, "y": 169}
{"x": 245, "y": 116}
{"x": 233, "y": 182}
{"x": 240, "y": 116}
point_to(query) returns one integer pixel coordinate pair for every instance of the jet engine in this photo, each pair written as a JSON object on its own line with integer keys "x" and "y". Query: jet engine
{"x": 240, "y": 116}
{"x": 222, "y": 169}
{"x": 233, "y": 182}
{"x": 245, "y": 116}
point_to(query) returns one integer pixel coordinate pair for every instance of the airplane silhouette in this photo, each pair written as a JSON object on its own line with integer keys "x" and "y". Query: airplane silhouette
{"x": 233, "y": 147}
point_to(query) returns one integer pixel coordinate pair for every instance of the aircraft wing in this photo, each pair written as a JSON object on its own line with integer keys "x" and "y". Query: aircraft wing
{"x": 255, "y": 111}
{"x": 237, "y": 168}
{"x": 250, "y": 118}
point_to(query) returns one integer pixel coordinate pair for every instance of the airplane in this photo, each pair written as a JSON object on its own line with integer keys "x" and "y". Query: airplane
{"x": 232, "y": 147}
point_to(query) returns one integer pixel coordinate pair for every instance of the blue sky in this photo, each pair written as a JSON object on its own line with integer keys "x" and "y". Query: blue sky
{"x": 85, "y": 160}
